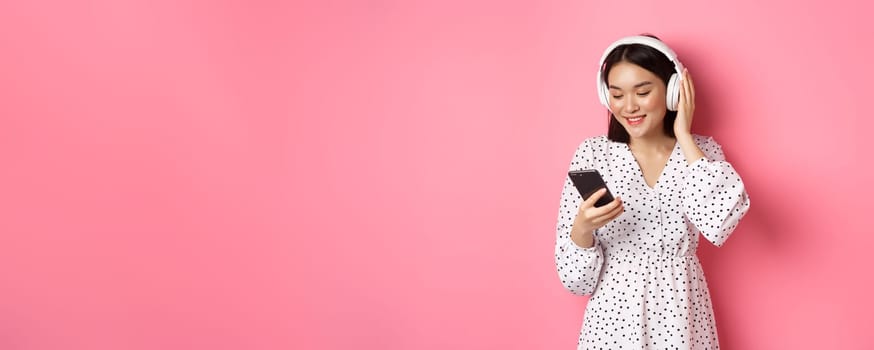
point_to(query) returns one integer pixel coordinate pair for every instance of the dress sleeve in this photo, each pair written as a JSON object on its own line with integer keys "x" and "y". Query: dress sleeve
{"x": 714, "y": 197}
{"x": 578, "y": 268}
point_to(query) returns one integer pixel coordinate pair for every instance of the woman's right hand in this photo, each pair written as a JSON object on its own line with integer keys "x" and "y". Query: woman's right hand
{"x": 590, "y": 218}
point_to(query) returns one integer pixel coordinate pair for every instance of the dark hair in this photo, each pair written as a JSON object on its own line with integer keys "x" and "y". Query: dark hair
{"x": 647, "y": 58}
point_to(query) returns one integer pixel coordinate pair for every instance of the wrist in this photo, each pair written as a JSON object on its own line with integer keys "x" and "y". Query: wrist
{"x": 684, "y": 137}
{"x": 584, "y": 238}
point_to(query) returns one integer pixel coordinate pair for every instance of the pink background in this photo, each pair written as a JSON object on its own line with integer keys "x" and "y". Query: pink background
{"x": 385, "y": 174}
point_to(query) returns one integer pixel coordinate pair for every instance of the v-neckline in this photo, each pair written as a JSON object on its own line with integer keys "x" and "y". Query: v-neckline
{"x": 661, "y": 173}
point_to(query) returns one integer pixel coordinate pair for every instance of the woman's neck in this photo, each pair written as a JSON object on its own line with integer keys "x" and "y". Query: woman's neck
{"x": 656, "y": 142}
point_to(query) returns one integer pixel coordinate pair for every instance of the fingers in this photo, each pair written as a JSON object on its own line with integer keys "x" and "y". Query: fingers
{"x": 615, "y": 213}
{"x": 688, "y": 88}
{"x": 590, "y": 202}
{"x": 603, "y": 218}
{"x": 691, "y": 87}
{"x": 604, "y": 210}
{"x": 595, "y": 217}
{"x": 598, "y": 211}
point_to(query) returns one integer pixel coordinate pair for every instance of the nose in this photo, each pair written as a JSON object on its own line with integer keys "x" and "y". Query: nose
{"x": 629, "y": 105}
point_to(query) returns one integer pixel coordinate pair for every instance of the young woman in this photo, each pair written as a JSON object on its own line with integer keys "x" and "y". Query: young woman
{"x": 636, "y": 255}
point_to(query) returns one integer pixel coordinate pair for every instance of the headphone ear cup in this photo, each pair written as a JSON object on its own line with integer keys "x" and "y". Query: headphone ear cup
{"x": 673, "y": 92}
{"x": 602, "y": 93}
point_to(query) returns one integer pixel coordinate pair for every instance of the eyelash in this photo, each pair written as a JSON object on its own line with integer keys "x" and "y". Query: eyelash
{"x": 642, "y": 94}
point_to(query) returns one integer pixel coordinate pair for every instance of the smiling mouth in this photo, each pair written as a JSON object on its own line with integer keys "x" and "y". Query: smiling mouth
{"x": 635, "y": 120}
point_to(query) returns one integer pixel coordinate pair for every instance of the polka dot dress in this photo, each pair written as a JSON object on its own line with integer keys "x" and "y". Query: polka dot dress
{"x": 647, "y": 287}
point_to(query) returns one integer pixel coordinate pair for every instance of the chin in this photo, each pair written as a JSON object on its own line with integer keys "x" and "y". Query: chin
{"x": 638, "y": 131}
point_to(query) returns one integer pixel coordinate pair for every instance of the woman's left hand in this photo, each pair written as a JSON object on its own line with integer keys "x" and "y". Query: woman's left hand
{"x": 686, "y": 106}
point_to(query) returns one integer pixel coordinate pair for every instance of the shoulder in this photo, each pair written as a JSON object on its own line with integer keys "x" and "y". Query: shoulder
{"x": 589, "y": 150}
{"x": 594, "y": 143}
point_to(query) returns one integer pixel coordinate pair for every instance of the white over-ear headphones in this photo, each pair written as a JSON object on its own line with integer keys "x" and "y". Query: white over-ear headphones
{"x": 673, "y": 87}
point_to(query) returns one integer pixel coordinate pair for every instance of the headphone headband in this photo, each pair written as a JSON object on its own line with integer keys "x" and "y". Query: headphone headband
{"x": 673, "y": 92}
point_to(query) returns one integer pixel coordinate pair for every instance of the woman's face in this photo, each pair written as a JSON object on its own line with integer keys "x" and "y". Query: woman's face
{"x": 637, "y": 99}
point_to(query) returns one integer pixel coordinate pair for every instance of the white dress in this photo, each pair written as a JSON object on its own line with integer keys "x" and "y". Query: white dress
{"x": 647, "y": 287}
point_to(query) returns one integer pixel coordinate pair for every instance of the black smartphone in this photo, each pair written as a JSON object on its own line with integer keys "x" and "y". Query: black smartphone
{"x": 589, "y": 181}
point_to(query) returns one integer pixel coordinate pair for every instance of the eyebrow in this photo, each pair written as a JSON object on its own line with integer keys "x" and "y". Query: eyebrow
{"x": 636, "y": 86}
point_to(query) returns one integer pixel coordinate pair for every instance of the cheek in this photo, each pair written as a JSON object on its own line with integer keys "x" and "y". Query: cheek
{"x": 655, "y": 102}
